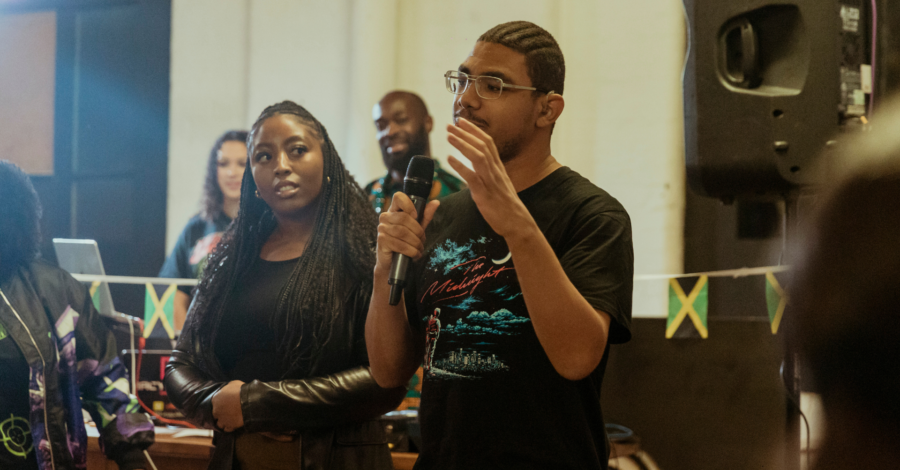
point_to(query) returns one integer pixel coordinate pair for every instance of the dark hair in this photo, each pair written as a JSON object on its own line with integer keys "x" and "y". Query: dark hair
{"x": 20, "y": 216}
{"x": 846, "y": 297}
{"x": 543, "y": 57}
{"x": 336, "y": 264}
{"x": 213, "y": 199}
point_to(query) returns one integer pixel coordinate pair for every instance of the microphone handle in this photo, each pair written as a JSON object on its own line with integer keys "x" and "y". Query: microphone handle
{"x": 399, "y": 262}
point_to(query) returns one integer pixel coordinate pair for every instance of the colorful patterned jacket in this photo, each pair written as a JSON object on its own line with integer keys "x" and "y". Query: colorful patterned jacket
{"x": 73, "y": 364}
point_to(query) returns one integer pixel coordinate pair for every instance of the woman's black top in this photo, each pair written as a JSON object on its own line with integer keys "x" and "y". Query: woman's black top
{"x": 246, "y": 344}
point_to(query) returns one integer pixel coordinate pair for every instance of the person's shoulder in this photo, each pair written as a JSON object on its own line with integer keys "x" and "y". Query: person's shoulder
{"x": 194, "y": 223}
{"x": 374, "y": 185}
{"x": 453, "y": 205}
{"x": 456, "y": 200}
{"x": 40, "y": 267}
{"x": 580, "y": 192}
{"x": 50, "y": 278}
{"x": 194, "y": 228}
{"x": 196, "y": 220}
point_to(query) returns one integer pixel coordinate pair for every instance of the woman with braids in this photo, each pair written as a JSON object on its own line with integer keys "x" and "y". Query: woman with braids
{"x": 56, "y": 355}
{"x": 221, "y": 197}
{"x": 273, "y": 355}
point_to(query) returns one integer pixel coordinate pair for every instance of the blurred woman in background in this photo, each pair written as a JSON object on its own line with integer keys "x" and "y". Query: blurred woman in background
{"x": 273, "y": 354}
{"x": 221, "y": 198}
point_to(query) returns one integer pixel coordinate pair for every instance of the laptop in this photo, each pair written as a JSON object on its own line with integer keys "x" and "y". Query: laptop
{"x": 83, "y": 257}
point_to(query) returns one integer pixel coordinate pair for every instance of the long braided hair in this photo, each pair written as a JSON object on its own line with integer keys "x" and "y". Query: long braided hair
{"x": 335, "y": 267}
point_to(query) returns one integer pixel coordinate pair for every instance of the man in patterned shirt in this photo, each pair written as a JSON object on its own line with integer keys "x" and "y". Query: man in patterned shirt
{"x": 402, "y": 123}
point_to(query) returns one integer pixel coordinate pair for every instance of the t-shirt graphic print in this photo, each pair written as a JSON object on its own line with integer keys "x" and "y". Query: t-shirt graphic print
{"x": 477, "y": 301}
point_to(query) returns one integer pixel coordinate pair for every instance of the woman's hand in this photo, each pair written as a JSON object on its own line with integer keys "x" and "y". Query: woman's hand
{"x": 227, "y": 406}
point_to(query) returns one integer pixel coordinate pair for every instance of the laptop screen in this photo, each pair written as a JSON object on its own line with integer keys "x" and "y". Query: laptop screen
{"x": 83, "y": 257}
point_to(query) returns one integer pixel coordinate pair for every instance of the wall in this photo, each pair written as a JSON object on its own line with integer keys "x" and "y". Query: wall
{"x": 621, "y": 127}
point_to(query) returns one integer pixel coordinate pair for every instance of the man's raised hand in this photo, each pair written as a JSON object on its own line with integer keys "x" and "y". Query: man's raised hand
{"x": 491, "y": 188}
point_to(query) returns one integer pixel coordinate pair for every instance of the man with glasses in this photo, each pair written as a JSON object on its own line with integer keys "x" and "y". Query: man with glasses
{"x": 531, "y": 268}
{"x": 402, "y": 125}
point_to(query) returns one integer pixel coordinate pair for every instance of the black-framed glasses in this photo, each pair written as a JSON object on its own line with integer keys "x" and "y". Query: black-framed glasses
{"x": 487, "y": 87}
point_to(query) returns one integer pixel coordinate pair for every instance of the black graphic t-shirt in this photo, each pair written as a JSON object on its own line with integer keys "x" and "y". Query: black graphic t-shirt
{"x": 16, "y": 446}
{"x": 490, "y": 396}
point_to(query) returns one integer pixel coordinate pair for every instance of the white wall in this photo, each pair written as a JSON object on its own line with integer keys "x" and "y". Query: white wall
{"x": 621, "y": 127}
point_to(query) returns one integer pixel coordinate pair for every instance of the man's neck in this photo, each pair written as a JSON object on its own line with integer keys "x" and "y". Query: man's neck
{"x": 528, "y": 168}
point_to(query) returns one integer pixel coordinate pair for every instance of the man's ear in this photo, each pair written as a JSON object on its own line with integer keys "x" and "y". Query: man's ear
{"x": 551, "y": 107}
{"x": 429, "y": 124}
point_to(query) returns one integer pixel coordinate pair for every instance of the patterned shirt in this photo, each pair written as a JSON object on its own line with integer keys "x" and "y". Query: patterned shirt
{"x": 381, "y": 191}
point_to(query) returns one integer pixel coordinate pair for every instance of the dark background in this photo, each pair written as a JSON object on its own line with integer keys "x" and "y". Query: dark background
{"x": 719, "y": 403}
{"x": 111, "y": 133}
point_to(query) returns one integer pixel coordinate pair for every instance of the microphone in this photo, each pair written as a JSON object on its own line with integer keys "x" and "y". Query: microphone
{"x": 416, "y": 185}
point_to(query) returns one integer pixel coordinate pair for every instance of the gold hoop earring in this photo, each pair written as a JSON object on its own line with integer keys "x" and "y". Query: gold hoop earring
{"x": 328, "y": 178}
{"x": 257, "y": 193}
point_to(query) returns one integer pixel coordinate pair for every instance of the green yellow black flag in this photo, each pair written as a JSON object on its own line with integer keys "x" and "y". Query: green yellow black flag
{"x": 694, "y": 305}
{"x": 95, "y": 294}
{"x": 159, "y": 311}
{"x": 776, "y": 301}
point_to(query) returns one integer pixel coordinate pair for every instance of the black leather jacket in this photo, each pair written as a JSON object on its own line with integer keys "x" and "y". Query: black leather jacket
{"x": 333, "y": 412}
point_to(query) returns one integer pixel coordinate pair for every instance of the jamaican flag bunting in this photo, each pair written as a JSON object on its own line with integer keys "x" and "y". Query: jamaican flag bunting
{"x": 159, "y": 316}
{"x": 776, "y": 301}
{"x": 95, "y": 294}
{"x": 688, "y": 298}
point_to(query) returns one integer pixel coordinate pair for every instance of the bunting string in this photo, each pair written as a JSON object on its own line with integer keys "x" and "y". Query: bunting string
{"x": 688, "y": 298}
{"x": 733, "y": 273}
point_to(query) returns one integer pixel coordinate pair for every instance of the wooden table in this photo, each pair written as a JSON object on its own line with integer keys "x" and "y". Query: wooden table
{"x": 188, "y": 453}
{"x": 168, "y": 453}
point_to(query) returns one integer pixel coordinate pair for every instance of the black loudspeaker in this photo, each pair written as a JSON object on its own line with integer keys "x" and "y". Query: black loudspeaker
{"x": 768, "y": 87}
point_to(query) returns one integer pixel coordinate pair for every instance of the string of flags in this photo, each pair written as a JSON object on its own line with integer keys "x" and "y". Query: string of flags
{"x": 689, "y": 300}
{"x": 688, "y": 306}
{"x": 159, "y": 300}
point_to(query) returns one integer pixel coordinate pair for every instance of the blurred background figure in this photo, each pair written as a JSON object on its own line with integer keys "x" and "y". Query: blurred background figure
{"x": 56, "y": 355}
{"x": 402, "y": 125}
{"x": 846, "y": 296}
{"x": 221, "y": 199}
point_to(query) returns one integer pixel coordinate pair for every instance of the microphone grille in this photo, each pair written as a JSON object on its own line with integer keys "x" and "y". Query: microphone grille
{"x": 420, "y": 167}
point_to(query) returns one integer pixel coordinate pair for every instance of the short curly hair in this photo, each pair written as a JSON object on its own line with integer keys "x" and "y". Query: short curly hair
{"x": 20, "y": 216}
{"x": 543, "y": 57}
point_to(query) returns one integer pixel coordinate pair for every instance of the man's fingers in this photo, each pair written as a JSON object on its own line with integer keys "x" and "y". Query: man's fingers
{"x": 478, "y": 139}
{"x": 471, "y": 134}
{"x": 402, "y": 203}
{"x": 477, "y": 157}
{"x": 430, "y": 209}
{"x": 469, "y": 176}
{"x": 388, "y": 244}
{"x": 396, "y": 236}
{"x": 402, "y": 219}
{"x": 475, "y": 130}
